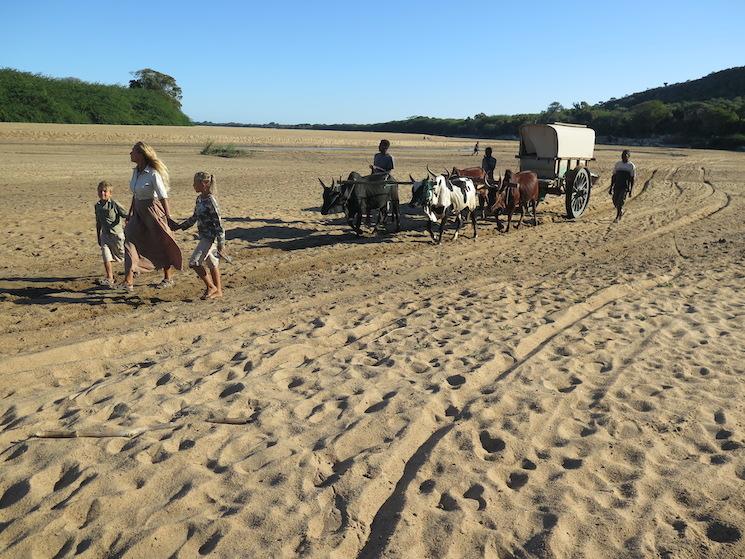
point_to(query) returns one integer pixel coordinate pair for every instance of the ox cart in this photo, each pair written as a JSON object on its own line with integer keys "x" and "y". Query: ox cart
{"x": 559, "y": 155}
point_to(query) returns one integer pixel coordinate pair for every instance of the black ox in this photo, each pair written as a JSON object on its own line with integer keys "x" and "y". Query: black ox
{"x": 360, "y": 195}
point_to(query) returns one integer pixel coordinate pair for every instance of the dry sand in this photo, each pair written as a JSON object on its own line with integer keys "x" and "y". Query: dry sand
{"x": 574, "y": 389}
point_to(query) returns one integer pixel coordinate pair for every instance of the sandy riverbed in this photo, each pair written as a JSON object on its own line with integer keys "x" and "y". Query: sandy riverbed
{"x": 574, "y": 389}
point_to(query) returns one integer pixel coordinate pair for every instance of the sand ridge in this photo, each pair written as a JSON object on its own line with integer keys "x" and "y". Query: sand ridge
{"x": 568, "y": 390}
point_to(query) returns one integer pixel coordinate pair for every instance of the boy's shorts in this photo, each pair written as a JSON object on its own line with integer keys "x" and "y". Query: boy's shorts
{"x": 204, "y": 255}
{"x": 112, "y": 247}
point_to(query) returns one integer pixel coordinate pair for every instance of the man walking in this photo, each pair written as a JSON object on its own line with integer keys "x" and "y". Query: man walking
{"x": 622, "y": 182}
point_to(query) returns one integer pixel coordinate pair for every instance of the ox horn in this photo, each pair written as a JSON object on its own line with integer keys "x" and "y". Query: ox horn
{"x": 411, "y": 178}
{"x": 431, "y": 173}
{"x": 323, "y": 185}
{"x": 446, "y": 173}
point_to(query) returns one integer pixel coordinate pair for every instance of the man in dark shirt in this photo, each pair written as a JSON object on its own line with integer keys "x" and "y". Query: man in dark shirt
{"x": 622, "y": 182}
{"x": 382, "y": 162}
{"x": 489, "y": 164}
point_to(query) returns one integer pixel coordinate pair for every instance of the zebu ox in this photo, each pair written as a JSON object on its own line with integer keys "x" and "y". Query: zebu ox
{"x": 487, "y": 192}
{"x": 360, "y": 195}
{"x": 440, "y": 198}
{"x": 516, "y": 194}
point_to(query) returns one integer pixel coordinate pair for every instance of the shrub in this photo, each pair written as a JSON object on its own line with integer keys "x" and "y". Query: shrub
{"x": 227, "y": 150}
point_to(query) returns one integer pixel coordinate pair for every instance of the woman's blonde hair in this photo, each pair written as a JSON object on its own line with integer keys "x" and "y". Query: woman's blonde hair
{"x": 152, "y": 160}
{"x": 202, "y": 176}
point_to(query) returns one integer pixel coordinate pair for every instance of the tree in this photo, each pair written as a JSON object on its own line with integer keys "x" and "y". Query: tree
{"x": 147, "y": 78}
{"x": 649, "y": 117}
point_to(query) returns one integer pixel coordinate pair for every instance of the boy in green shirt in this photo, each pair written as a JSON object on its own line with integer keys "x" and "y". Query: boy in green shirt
{"x": 110, "y": 218}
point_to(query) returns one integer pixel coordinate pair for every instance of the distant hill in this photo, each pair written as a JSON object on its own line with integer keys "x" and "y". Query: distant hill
{"x": 725, "y": 84}
{"x": 26, "y": 97}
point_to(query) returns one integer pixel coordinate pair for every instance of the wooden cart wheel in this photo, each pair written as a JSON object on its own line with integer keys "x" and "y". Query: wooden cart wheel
{"x": 578, "y": 192}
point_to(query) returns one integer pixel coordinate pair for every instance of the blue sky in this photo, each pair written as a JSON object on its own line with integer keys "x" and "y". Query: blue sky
{"x": 361, "y": 61}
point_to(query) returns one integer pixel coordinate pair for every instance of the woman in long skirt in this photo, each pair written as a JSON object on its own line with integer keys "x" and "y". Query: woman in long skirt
{"x": 148, "y": 240}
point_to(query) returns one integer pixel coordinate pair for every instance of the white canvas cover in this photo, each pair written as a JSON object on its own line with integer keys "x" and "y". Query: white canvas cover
{"x": 566, "y": 141}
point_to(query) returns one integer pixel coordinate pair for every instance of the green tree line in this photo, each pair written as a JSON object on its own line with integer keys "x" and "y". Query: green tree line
{"x": 706, "y": 112}
{"x": 716, "y": 123}
{"x": 26, "y": 97}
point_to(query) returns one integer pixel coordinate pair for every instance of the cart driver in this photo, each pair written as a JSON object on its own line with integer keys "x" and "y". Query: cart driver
{"x": 383, "y": 161}
{"x": 622, "y": 182}
{"x": 489, "y": 164}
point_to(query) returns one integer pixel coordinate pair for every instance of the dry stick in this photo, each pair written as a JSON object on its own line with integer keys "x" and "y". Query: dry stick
{"x": 103, "y": 432}
{"x": 98, "y": 433}
{"x": 230, "y": 420}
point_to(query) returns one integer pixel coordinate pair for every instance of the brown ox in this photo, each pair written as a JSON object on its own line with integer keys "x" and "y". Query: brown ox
{"x": 485, "y": 191}
{"x": 517, "y": 191}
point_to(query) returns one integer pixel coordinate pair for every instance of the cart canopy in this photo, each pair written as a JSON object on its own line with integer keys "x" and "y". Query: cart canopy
{"x": 557, "y": 140}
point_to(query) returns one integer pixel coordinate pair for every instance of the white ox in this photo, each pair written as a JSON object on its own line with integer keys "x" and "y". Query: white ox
{"x": 441, "y": 197}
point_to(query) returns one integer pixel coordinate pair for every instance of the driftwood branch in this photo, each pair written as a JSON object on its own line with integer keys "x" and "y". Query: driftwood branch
{"x": 98, "y": 432}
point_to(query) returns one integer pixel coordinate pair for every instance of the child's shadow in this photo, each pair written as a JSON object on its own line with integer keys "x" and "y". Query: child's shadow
{"x": 56, "y": 294}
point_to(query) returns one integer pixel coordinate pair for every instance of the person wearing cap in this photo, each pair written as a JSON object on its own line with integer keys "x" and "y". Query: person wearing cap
{"x": 622, "y": 182}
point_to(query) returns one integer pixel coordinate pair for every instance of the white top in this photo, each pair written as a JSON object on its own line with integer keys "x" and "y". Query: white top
{"x": 147, "y": 184}
{"x": 629, "y": 167}
{"x": 565, "y": 141}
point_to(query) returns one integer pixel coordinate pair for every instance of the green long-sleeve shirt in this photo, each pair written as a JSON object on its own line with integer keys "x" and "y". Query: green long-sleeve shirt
{"x": 110, "y": 217}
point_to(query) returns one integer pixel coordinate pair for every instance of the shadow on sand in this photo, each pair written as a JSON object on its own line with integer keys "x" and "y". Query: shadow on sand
{"x": 288, "y": 235}
{"x": 50, "y": 295}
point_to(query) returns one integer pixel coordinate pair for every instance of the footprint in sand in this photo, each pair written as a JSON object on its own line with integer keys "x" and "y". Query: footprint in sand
{"x": 680, "y": 527}
{"x": 723, "y": 533}
{"x": 68, "y": 477}
{"x": 427, "y": 486}
{"x": 456, "y": 380}
{"x": 215, "y": 466}
{"x": 22, "y": 448}
{"x": 571, "y": 463}
{"x": 232, "y": 389}
{"x": 517, "y": 480}
{"x": 181, "y": 493}
{"x": 163, "y": 380}
{"x": 475, "y": 493}
{"x": 338, "y": 469}
{"x": 740, "y": 473}
{"x": 451, "y": 411}
{"x": 64, "y": 549}
{"x": 210, "y": 545}
{"x": 295, "y": 382}
{"x": 587, "y": 431}
{"x": 489, "y": 444}
{"x": 120, "y": 410}
{"x": 642, "y": 405}
{"x": 448, "y": 503}
{"x": 83, "y": 546}
{"x": 382, "y": 404}
{"x": 14, "y": 493}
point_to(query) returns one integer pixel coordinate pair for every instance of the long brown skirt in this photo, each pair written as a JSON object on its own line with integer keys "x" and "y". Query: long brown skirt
{"x": 148, "y": 241}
